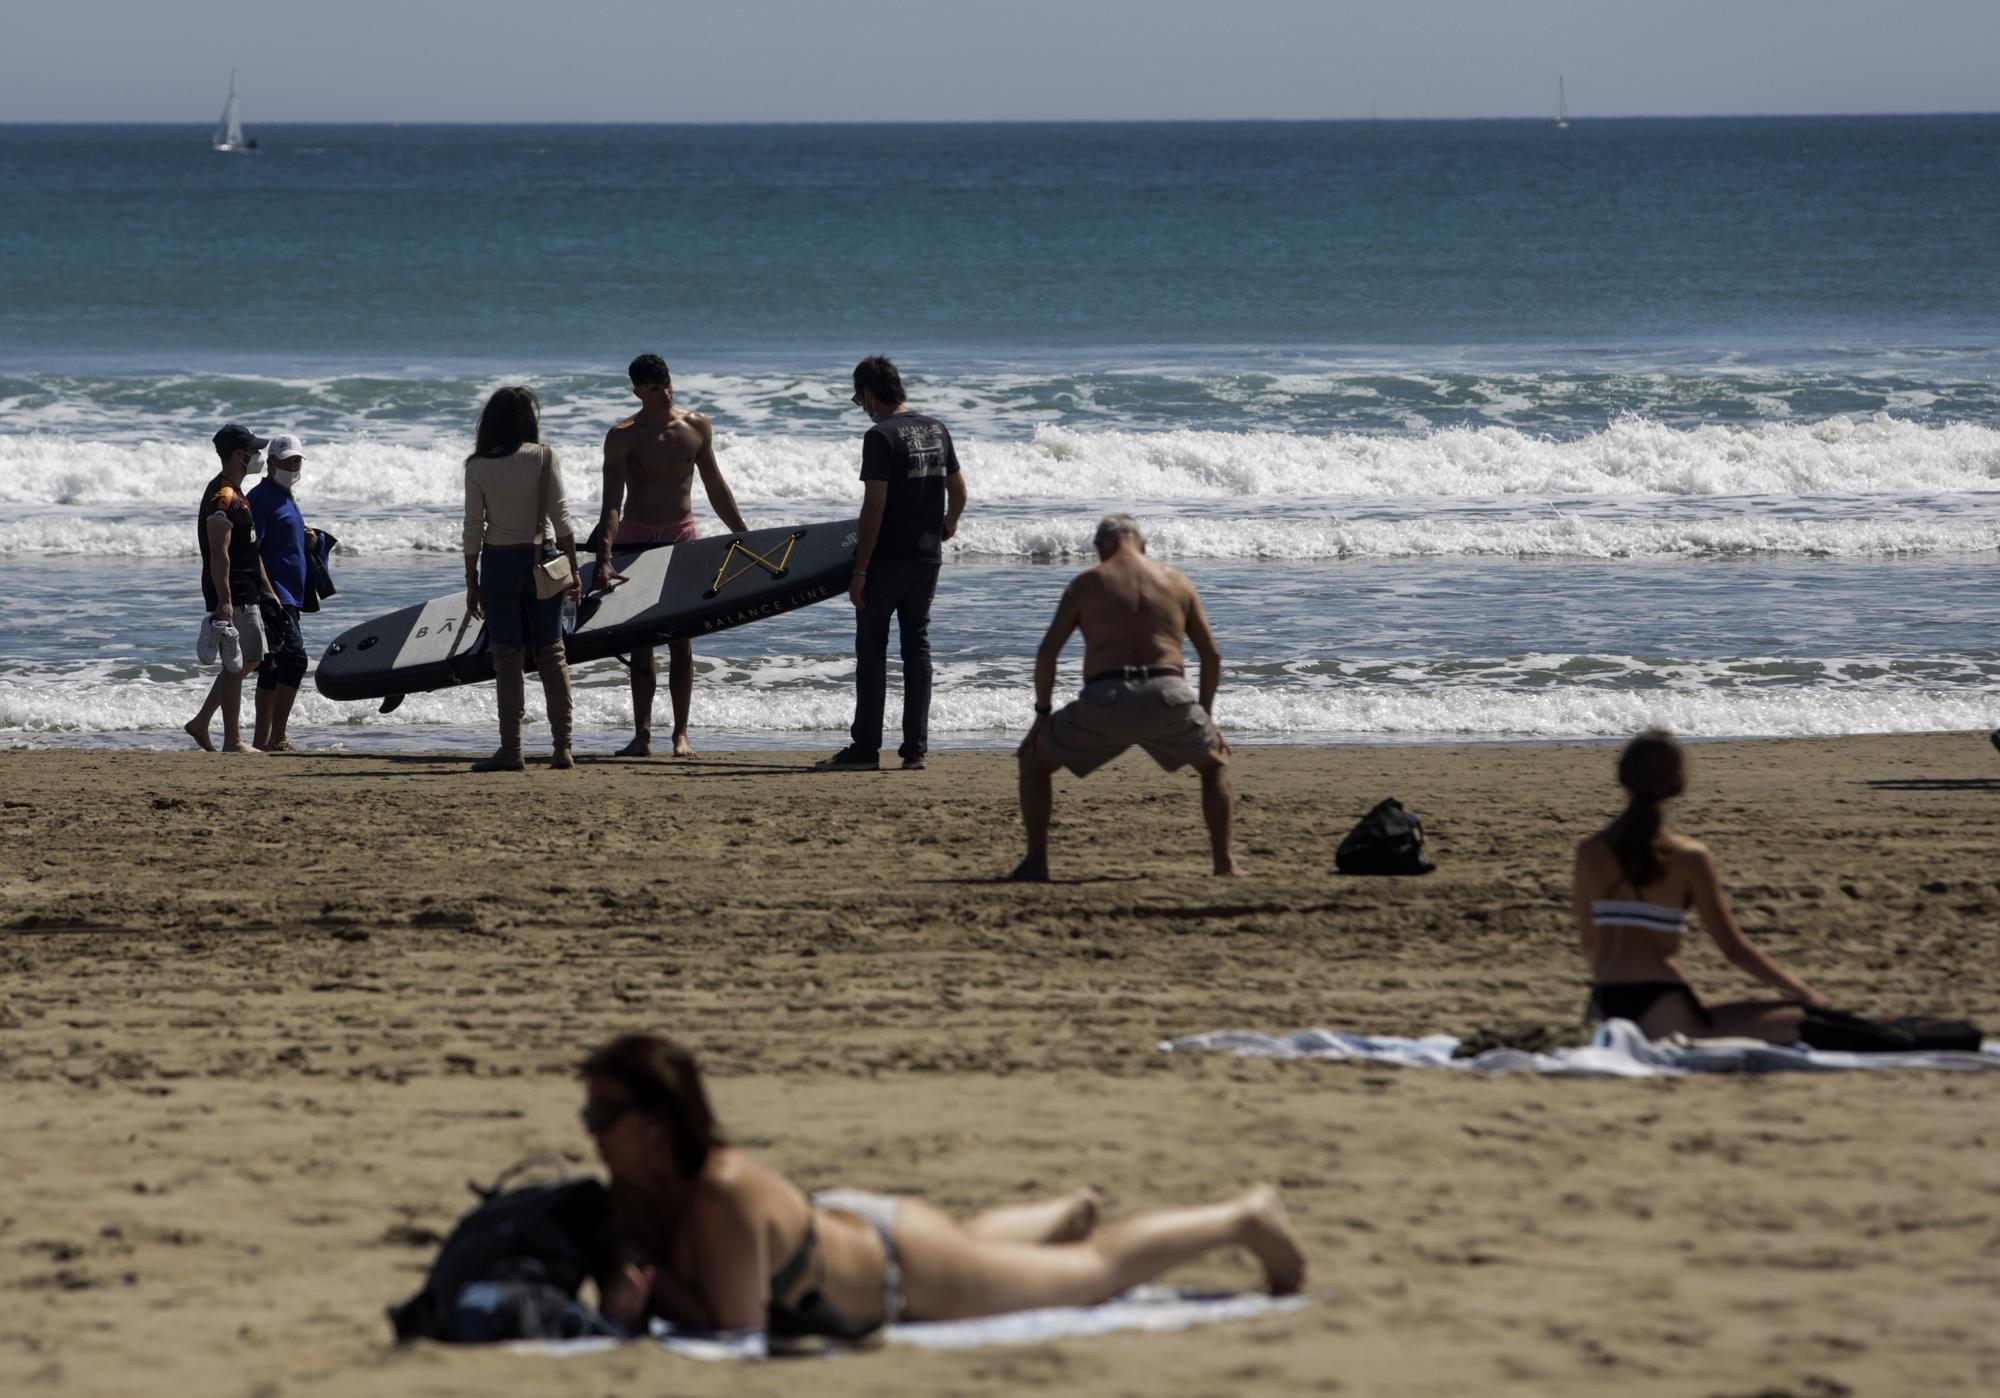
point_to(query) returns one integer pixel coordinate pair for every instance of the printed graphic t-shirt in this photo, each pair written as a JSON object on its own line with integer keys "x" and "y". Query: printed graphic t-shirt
{"x": 913, "y": 454}
{"x": 220, "y": 497}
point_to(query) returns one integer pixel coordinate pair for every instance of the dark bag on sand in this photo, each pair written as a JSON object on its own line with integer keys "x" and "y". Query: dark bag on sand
{"x": 511, "y": 1268}
{"x": 1389, "y": 840}
{"x": 1851, "y": 1033}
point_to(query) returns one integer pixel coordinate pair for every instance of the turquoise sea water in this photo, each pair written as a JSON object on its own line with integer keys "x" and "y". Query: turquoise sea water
{"x": 1465, "y": 428}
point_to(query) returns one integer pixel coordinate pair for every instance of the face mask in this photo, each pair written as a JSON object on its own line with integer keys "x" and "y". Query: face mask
{"x": 254, "y": 464}
{"x": 285, "y": 478}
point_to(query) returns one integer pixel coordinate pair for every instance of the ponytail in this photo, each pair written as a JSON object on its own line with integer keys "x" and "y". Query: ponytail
{"x": 1652, "y": 770}
{"x": 1635, "y": 843}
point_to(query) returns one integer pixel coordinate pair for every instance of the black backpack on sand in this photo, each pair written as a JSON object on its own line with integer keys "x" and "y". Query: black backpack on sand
{"x": 536, "y": 1244}
{"x": 1851, "y": 1033}
{"x": 1389, "y": 840}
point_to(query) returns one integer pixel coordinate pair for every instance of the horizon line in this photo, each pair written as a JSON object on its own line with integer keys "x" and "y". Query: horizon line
{"x": 1360, "y": 120}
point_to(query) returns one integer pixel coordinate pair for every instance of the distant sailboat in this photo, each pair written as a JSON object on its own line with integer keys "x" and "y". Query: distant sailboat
{"x": 1560, "y": 121}
{"x": 229, "y": 131}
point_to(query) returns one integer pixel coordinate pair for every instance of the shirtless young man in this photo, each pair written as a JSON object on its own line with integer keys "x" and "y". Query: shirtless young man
{"x": 650, "y": 460}
{"x": 1134, "y": 613}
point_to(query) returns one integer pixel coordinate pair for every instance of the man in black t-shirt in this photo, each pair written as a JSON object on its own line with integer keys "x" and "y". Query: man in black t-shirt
{"x": 912, "y": 496}
{"x": 232, "y": 579}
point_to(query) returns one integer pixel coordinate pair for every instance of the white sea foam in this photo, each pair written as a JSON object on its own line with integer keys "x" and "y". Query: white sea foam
{"x": 1558, "y": 533}
{"x": 84, "y": 708}
{"x": 1881, "y": 455}
{"x": 1823, "y": 489}
{"x": 1382, "y": 530}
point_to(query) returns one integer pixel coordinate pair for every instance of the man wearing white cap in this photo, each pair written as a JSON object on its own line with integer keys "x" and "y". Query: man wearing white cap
{"x": 282, "y": 543}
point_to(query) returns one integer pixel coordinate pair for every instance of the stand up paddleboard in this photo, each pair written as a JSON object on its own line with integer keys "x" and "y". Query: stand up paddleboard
{"x": 673, "y": 591}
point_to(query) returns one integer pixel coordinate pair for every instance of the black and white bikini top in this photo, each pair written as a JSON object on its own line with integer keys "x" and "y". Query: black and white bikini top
{"x": 1620, "y": 912}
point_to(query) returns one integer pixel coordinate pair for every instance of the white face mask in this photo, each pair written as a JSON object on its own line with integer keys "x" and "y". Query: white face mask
{"x": 284, "y": 477}
{"x": 254, "y": 464}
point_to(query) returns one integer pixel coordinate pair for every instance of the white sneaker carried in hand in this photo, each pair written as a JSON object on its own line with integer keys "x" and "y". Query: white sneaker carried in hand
{"x": 230, "y": 643}
{"x": 205, "y": 651}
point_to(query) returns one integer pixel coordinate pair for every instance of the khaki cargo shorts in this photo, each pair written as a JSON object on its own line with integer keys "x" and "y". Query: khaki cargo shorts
{"x": 1160, "y": 715}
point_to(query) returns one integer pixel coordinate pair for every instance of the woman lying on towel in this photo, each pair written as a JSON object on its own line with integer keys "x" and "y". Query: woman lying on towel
{"x": 730, "y": 1244}
{"x": 1635, "y": 882}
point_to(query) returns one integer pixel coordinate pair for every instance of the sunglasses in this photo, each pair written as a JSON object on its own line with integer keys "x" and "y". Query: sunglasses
{"x": 856, "y": 399}
{"x": 600, "y": 1117}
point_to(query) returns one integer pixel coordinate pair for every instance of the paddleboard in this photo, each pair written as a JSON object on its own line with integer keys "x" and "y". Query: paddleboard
{"x": 677, "y": 590}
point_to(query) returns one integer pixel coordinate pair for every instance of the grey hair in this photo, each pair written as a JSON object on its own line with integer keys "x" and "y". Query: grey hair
{"x": 1112, "y": 528}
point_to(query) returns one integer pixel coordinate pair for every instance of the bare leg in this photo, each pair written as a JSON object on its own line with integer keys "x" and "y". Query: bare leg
{"x": 1773, "y": 1021}
{"x": 282, "y": 699}
{"x": 232, "y": 719}
{"x": 1038, "y": 799}
{"x": 680, "y": 689}
{"x": 262, "y": 738}
{"x": 197, "y": 727}
{"x": 950, "y": 1274}
{"x": 645, "y": 681}
{"x": 1067, "y": 1219}
{"x": 1218, "y": 801}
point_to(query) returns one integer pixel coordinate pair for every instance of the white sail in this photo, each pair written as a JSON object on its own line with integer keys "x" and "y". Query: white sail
{"x": 229, "y": 130}
{"x": 1560, "y": 121}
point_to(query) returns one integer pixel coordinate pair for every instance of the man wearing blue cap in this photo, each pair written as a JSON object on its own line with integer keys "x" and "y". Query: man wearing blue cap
{"x": 232, "y": 582}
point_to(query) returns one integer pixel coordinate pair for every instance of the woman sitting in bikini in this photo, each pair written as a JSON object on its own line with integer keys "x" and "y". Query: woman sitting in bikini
{"x": 730, "y": 1244}
{"x": 1635, "y": 882}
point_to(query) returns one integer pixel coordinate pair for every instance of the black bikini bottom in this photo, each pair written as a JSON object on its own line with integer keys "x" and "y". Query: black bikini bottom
{"x": 1634, "y": 999}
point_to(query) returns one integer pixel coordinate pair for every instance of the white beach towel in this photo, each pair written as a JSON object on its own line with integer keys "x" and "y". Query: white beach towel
{"x": 1146, "y": 1308}
{"x": 1616, "y": 1050}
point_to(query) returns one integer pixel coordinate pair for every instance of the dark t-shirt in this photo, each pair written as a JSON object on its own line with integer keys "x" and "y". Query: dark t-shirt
{"x": 913, "y": 453}
{"x": 220, "y": 497}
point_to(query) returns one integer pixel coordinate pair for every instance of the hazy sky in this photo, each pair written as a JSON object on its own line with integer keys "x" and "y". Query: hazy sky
{"x": 906, "y": 60}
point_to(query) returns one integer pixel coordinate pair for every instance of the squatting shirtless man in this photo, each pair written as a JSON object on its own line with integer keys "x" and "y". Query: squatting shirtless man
{"x": 1134, "y": 614}
{"x": 650, "y": 460}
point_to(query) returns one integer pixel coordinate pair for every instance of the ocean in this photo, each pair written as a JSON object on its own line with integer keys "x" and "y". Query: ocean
{"x": 1465, "y": 430}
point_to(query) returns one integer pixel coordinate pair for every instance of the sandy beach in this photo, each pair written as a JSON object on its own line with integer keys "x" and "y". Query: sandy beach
{"x": 263, "y": 1018}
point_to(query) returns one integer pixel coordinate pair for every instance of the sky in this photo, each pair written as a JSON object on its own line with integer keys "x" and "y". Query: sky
{"x": 987, "y": 60}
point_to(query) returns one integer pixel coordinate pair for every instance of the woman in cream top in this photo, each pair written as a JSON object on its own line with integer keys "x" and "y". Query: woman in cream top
{"x": 514, "y": 505}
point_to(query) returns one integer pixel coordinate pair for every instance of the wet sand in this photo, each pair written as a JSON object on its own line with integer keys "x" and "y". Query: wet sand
{"x": 262, "y": 1018}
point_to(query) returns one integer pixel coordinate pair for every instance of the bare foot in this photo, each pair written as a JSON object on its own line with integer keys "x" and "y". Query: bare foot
{"x": 241, "y": 749}
{"x": 1268, "y": 1232}
{"x": 1029, "y": 870}
{"x": 1231, "y": 870}
{"x": 1079, "y": 1220}
{"x": 683, "y": 748}
{"x": 199, "y": 734}
{"x": 641, "y": 746}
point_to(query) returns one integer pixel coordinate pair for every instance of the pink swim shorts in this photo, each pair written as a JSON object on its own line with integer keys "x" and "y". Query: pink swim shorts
{"x": 632, "y": 534}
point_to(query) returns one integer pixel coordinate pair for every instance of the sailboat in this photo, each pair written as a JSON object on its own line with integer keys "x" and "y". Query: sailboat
{"x": 229, "y": 130}
{"x": 1560, "y": 121}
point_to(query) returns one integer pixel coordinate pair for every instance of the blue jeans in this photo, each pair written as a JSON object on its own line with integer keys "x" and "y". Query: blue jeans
{"x": 514, "y": 615}
{"x": 901, "y": 588}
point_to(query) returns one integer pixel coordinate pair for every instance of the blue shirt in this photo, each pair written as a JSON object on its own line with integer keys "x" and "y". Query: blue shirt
{"x": 281, "y": 540}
